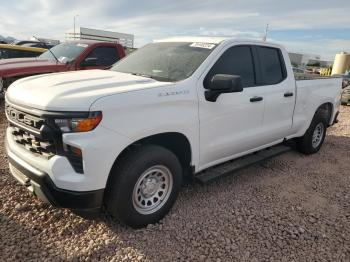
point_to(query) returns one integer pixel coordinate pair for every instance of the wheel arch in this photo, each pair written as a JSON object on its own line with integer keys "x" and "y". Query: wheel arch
{"x": 327, "y": 110}
{"x": 176, "y": 142}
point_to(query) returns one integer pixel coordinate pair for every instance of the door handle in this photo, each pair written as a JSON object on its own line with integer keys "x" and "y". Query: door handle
{"x": 256, "y": 99}
{"x": 287, "y": 94}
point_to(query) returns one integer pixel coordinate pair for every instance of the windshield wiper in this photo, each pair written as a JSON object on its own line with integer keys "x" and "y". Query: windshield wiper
{"x": 158, "y": 78}
{"x": 47, "y": 48}
{"x": 143, "y": 75}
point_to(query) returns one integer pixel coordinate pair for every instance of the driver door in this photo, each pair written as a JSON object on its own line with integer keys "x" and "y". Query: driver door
{"x": 232, "y": 124}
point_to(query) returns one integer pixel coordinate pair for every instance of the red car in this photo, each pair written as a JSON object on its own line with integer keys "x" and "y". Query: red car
{"x": 69, "y": 56}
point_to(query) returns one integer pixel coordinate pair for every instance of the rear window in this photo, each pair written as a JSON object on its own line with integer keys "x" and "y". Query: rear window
{"x": 272, "y": 65}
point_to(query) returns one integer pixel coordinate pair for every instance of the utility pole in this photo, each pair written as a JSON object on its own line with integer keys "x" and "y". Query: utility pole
{"x": 74, "y": 26}
{"x": 266, "y": 31}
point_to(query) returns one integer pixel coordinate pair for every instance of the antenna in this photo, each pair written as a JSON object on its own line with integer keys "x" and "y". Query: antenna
{"x": 48, "y": 49}
{"x": 266, "y": 31}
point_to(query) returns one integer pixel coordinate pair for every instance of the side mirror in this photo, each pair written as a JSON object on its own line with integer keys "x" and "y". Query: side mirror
{"x": 90, "y": 61}
{"x": 220, "y": 84}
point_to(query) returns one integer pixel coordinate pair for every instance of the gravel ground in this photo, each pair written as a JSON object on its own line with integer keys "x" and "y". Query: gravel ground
{"x": 291, "y": 208}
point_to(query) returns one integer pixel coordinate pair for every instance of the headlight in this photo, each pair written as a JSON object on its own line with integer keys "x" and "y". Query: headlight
{"x": 68, "y": 125}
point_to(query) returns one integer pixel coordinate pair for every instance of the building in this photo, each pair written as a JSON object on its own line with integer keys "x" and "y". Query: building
{"x": 82, "y": 33}
{"x": 303, "y": 60}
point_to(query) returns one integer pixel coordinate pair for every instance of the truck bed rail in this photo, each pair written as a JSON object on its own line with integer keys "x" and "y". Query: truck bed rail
{"x": 301, "y": 76}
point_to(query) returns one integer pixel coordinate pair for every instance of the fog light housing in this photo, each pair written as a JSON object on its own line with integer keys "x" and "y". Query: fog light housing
{"x": 75, "y": 158}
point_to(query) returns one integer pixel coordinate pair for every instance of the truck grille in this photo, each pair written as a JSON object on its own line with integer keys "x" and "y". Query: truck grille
{"x": 28, "y": 131}
{"x": 24, "y": 119}
{"x": 32, "y": 143}
{"x": 25, "y": 130}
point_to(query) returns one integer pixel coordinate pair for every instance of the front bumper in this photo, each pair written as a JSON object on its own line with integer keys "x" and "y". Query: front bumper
{"x": 40, "y": 184}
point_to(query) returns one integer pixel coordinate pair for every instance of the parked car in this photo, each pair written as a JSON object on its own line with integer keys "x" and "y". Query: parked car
{"x": 125, "y": 138}
{"x": 31, "y": 43}
{"x": 12, "y": 51}
{"x": 70, "y": 56}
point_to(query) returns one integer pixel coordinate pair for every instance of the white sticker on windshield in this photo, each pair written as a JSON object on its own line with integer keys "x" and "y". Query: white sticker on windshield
{"x": 203, "y": 45}
{"x": 82, "y": 45}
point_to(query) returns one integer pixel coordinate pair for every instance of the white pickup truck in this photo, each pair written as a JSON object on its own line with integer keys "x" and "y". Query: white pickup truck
{"x": 124, "y": 139}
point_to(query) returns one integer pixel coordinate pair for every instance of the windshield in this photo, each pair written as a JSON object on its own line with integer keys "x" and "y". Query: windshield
{"x": 165, "y": 61}
{"x": 66, "y": 52}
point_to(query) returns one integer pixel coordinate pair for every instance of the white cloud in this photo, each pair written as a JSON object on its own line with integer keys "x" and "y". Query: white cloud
{"x": 164, "y": 18}
{"x": 327, "y": 48}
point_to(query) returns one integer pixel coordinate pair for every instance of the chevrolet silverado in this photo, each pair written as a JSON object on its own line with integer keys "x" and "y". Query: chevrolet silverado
{"x": 123, "y": 139}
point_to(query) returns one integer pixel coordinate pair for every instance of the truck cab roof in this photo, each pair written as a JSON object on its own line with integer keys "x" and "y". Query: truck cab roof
{"x": 217, "y": 40}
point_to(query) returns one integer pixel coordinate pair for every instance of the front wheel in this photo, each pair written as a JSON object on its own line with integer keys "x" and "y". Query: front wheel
{"x": 144, "y": 185}
{"x": 313, "y": 139}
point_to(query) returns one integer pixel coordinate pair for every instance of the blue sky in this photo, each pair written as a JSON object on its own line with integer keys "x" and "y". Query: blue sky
{"x": 314, "y": 26}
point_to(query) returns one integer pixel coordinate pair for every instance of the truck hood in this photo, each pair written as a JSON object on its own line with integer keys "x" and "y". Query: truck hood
{"x": 22, "y": 66}
{"x": 74, "y": 91}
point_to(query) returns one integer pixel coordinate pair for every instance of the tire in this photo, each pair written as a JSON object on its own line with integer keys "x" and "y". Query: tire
{"x": 313, "y": 139}
{"x": 143, "y": 186}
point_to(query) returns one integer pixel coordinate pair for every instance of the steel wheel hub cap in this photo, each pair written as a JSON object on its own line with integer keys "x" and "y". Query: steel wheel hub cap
{"x": 152, "y": 189}
{"x": 317, "y": 135}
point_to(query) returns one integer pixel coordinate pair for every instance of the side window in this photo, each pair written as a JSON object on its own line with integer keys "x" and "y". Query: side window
{"x": 272, "y": 65}
{"x": 12, "y": 53}
{"x": 34, "y": 54}
{"x": 24, "y": 53}
{"x": 29, "y": 54}
{"x": 106, "y": 55}
{"x": 237, "y": 60}
{"x": 4, "y": 54}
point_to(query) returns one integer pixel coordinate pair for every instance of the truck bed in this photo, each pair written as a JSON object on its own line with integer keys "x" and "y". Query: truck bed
{"x": 299, "y": 76}
{"x": 313, "y": 91}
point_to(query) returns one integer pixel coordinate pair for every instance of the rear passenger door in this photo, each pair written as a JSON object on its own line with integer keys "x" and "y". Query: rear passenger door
{"x": 279, "y": 94}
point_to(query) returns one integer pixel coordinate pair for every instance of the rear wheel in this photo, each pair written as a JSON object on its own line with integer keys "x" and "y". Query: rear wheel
{"x": 313, "y": 139}
{"x": 144, "y": 185}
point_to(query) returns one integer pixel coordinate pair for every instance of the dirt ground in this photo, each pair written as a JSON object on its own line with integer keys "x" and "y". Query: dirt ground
{"x": 291, "y": 208}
